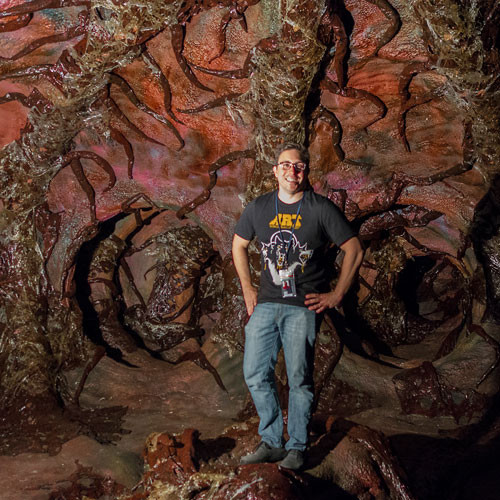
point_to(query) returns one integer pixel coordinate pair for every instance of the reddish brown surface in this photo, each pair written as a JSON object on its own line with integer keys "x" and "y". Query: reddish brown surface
{"x": 263, "y": 481}
{"x": 388, "y": 146}
{"x": 171, "y": 458}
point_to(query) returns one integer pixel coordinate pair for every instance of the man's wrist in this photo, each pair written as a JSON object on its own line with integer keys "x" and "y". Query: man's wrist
{"x": 336, "y": 296}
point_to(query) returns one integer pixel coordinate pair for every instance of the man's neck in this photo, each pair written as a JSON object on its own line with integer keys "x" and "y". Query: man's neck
{"x": 290, "y": 198}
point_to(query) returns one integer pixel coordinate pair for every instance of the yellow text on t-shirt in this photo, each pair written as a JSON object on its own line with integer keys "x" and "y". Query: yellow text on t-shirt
{"x": 286, "y": 221}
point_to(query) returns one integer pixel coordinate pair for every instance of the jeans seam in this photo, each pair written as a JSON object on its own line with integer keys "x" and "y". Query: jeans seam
{"x": 272, "y": 383}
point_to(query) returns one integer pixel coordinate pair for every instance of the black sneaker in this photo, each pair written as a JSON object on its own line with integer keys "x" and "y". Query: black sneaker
{"x": 294, "y": 460}
{"x": 263, "y": 453}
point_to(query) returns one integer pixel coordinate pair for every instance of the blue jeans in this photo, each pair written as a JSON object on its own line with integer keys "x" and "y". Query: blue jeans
{"x": 271, "y": 326}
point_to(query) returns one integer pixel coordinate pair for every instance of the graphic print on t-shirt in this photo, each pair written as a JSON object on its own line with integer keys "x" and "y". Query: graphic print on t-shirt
{"x": 286, "y": 221}
{"x": 274, "y": 254}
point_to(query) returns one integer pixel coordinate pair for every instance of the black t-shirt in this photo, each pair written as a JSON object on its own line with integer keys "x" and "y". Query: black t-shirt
{"x": 319, "y": 222}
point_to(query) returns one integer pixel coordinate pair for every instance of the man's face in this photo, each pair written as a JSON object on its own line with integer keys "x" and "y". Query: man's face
{"x": 290, "y": 180}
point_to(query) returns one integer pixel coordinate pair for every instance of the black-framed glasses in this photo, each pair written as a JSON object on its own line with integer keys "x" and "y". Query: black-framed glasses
{"x": 298, "y": 165}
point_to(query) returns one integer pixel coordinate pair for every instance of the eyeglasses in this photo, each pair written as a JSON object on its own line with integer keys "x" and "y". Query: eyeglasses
{"x": 298, "y": 165}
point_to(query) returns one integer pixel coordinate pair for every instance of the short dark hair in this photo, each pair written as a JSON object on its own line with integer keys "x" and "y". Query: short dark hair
{"x": 303, "y": 152}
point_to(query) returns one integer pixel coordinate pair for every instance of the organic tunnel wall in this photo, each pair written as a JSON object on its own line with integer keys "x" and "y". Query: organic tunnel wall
{"x": 162, "y": 118}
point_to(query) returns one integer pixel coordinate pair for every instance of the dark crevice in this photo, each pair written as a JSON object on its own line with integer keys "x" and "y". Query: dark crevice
{"x": 409, "y": 280}
{"x": 90, "y": 323}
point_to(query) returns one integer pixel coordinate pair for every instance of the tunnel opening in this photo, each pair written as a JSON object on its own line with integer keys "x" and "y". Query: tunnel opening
{"x": 150, "y": 282}
{"x": 172, "y": 286}
{"x": 409, "y": 298}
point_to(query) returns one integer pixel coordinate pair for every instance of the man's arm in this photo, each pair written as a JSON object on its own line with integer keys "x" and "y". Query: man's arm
{"x": 240, "y": 259}
{"x": 352, "y": 260}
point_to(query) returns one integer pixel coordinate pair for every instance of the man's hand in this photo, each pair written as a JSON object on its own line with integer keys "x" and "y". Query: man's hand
{"x": 240, "y": 259}
{"x": 353, "y": 255}
{"x": 318, "y": 302}
{"x": 250, "y": 296}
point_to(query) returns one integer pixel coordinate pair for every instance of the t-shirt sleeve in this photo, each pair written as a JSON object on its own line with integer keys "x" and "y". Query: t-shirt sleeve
{"x": 245, "y": 227}
{"x": 335, "y": 224}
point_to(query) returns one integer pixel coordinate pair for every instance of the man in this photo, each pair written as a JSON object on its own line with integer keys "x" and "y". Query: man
{"x": 294, "y": 226}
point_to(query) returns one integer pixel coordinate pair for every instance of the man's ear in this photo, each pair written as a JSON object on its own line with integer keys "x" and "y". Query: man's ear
{"x": 275, "y": 170}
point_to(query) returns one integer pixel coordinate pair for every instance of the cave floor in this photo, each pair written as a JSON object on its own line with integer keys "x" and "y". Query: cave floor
{"x": 143, "y": 395}
{"x": 160, "y": 397}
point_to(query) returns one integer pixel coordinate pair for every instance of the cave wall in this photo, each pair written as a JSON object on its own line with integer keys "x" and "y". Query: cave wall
{"x": 136, "y": 133}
